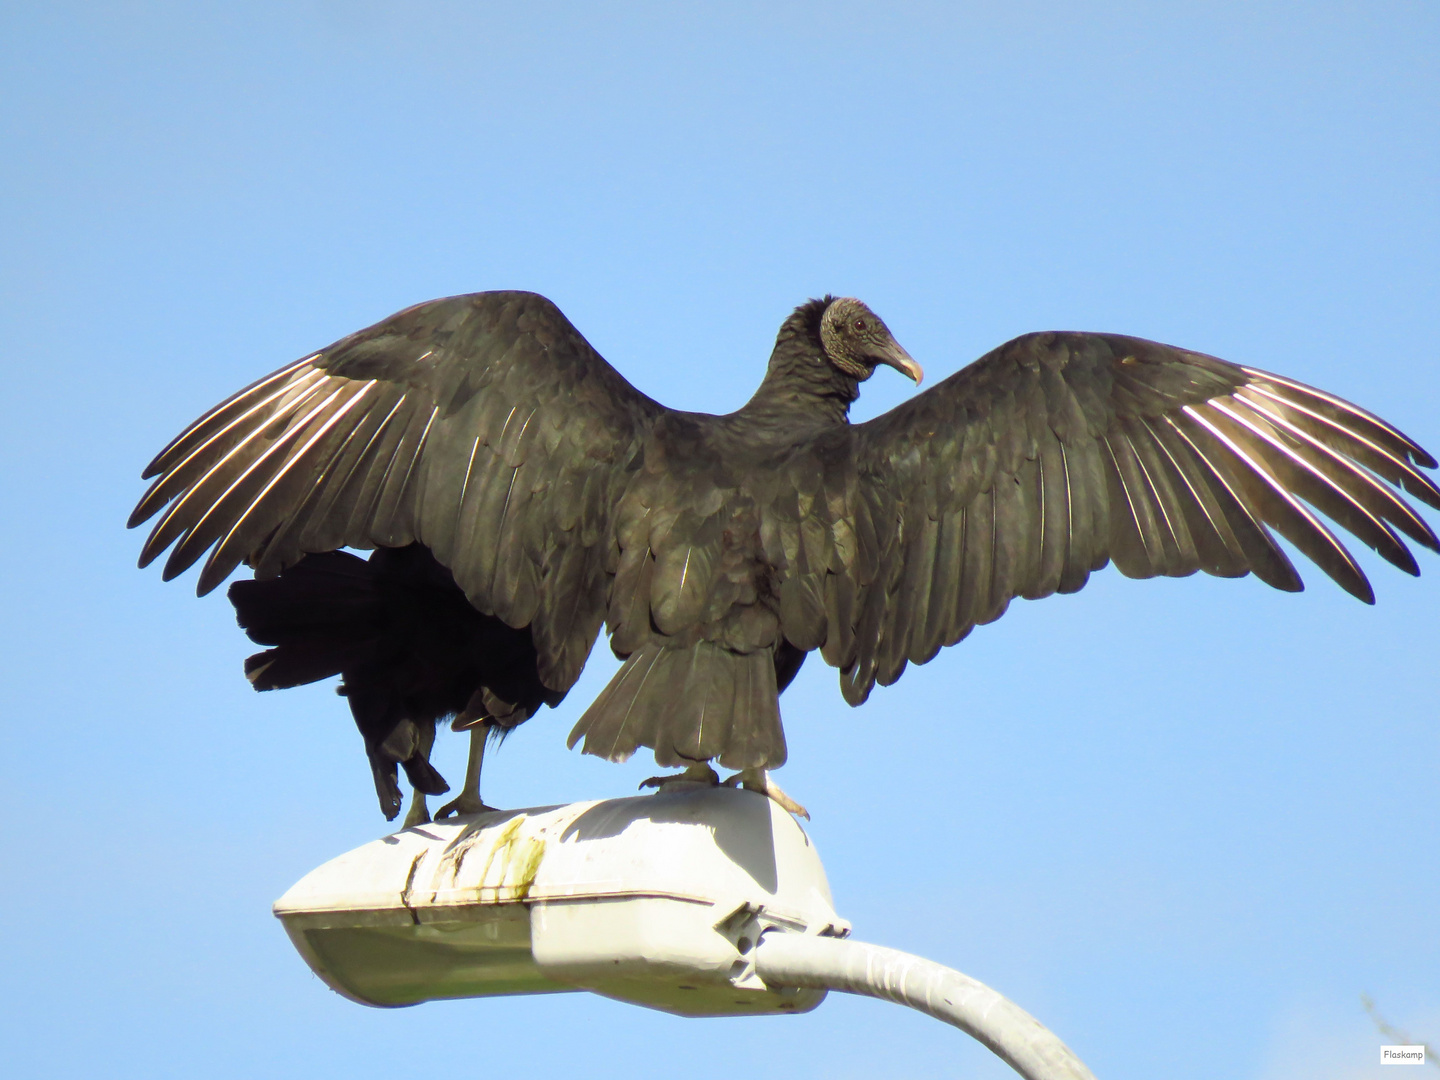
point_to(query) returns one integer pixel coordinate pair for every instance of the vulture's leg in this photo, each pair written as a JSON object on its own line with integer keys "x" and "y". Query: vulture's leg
{"x": 698, "y": 773}
{"x": 469, "y": 799}
{"x": 419, "y": 813}
{"x": 759, "y": 780}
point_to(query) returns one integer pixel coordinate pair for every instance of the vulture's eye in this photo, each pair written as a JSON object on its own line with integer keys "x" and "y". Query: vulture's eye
{"x": 859, "y": 324}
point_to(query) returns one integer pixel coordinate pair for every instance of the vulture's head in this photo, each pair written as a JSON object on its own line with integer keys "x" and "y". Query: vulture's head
{"x": 856, "y": 341}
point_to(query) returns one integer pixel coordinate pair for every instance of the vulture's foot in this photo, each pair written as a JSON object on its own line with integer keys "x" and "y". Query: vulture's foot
{"x": 468, "y": 803}
{"x": 698, "y": 773}
{"x": 419, "y": 813}
{"x": 759, "y": 780}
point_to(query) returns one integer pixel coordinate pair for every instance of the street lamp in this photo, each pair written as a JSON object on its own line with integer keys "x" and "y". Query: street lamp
{"x": 698, "y": 900}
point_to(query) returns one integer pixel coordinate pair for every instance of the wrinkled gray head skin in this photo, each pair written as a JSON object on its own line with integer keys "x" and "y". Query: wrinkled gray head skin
{"x": 856, "y": 341}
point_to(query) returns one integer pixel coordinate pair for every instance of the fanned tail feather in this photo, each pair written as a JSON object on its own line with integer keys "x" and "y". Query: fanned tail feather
{"x": 697, "y": 703}
{"x": 320, "y": 616}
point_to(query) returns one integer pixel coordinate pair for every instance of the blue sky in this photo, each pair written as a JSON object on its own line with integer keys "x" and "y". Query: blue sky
{"x": 1186, "y": 823}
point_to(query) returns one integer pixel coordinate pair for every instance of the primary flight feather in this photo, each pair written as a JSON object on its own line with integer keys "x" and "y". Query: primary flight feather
{"x": 519, "y": 494}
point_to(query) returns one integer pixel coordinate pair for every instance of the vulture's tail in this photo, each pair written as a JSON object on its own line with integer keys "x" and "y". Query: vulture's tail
{"x": 697, "y": 703}
{"x": 319, "y": 615}
{"x": 328, "y": 615}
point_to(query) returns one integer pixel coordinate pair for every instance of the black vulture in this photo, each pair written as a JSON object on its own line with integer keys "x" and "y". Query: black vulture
{"x": 519, "y": 494}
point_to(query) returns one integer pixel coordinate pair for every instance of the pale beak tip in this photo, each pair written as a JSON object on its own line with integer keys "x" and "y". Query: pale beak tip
{"x": 897, "y": 358}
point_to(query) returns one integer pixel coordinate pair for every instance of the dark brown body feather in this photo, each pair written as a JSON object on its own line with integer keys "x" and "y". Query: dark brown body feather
{"x": 720, "y": 550}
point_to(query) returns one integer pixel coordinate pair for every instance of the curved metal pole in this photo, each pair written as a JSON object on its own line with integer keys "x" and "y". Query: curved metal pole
{"x": 857, "y": 967}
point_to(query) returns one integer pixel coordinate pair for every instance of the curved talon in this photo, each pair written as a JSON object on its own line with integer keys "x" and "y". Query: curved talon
{"x": 465, "y": 804}
{"x": 698, "y": 773}
{"x": 758, "y": 780}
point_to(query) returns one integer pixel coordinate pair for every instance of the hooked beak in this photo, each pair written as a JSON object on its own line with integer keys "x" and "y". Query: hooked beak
{"x": 901, "y": 361}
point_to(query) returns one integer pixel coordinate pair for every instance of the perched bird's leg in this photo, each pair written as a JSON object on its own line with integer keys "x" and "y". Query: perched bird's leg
{"x": 698, "y": 773}
{"x": 468, "y": 801}
{"x": 419, "y": 813}
{"x": 759, "y": 780}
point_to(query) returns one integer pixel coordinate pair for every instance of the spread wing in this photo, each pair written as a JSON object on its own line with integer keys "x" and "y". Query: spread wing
{"x": 482, "y": 426}
{"x": 1059, "y": 452}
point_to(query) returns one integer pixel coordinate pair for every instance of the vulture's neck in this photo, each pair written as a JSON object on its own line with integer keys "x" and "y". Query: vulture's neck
{"x": 801, "y": 386}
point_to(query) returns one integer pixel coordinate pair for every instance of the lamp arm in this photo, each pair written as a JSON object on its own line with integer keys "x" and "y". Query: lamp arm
{"x": 857, "y": 967}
